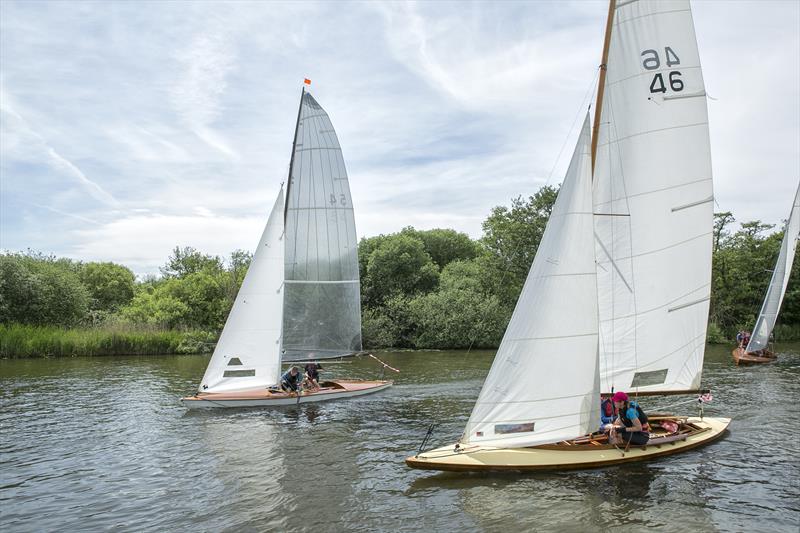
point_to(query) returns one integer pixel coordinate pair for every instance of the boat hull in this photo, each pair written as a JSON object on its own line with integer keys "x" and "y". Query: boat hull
{"x": 476, "y": 458}
{"x": 331, "y": 390}
{"x": 740, "y": 357}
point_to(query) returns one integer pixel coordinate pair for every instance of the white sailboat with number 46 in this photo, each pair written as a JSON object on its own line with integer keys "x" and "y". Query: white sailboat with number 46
{"x": 617, "y": 297}
{"x": 300, "y": 299}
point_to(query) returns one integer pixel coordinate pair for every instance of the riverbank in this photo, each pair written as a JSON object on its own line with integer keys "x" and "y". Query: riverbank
{"x": 18, "y": 341}
{"x": 22, "y": 341}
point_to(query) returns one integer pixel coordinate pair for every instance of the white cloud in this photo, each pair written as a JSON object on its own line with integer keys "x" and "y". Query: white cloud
{"x": 143, "y": 242}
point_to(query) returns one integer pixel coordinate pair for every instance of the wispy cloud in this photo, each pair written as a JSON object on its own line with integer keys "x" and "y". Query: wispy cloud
{"x": 204, "y": 66}
{"x": 22, "y": 142}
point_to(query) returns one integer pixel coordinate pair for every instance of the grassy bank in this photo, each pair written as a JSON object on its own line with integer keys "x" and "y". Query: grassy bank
{"x": 19, "y": 341}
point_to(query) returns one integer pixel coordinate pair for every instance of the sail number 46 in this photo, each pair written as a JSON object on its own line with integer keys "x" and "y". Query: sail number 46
{"x": 652, "y": 61}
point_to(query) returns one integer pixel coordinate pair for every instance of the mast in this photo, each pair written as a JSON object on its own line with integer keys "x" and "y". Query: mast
{"x": 601, "y": 84}
{"x": 291, "y": 160}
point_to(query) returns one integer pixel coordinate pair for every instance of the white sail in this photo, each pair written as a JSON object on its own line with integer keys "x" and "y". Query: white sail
{"x": 248, "y": 354}
{"x": 543, "y": 386}
{"x": 780, "y": 279}
{"x": 654, "y": 199}
{"x": 322, "y": 310}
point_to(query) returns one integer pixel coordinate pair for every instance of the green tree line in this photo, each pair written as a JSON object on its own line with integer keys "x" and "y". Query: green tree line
{"x": 420, "y": 289}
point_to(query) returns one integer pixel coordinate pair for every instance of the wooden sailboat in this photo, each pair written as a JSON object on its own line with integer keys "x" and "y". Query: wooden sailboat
{"x": 758, "y": 350}
{"x": 300, "y": 299}
{"x": 617, "y": 297}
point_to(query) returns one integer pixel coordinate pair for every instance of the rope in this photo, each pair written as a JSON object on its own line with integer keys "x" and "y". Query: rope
{"x": 670, "y": 406}
{"x": 426, "y": 439}
{"x": 384, "y": 364}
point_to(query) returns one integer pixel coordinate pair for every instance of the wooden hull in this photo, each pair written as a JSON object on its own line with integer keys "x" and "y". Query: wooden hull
{"x": 740, "y": 357}
{"x": 579, "y": 454}
{"x": 330, "y": 390}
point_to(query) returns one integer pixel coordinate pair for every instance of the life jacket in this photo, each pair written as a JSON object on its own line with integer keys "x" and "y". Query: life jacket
{"x": 640, "y": 414}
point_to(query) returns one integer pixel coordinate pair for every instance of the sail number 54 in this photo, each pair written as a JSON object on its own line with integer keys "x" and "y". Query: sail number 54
{"x": 652, "y": 61}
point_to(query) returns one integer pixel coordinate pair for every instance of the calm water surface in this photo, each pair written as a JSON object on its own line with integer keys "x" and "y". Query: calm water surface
{"x": 102, "y": 443}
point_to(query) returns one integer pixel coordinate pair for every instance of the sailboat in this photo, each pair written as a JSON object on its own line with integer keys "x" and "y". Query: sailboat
{"x": 617, "y": 297}
{"x": 300, "y": 299}
{"x": 758, "y": 349}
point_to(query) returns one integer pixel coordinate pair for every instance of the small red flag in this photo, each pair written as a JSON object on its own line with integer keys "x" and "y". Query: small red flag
{"x": 307, "y": 81}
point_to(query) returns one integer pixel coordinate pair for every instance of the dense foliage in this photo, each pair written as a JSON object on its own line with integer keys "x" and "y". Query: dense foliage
{"x": 420, "y": 289}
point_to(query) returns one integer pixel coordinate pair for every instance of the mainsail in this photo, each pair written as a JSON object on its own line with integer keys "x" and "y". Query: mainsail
{"x": 653, "y": 201}
{"x": 544, "y": 385}
{"x": 322, "y": 312}
{"x": 780, "y": 279}
{"x": 247, "y": 354}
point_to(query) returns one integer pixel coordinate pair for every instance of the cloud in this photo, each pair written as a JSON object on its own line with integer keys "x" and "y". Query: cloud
{"x": 186, "y": 111}
{"x": 22, "y": 143}
{"x": 204, "y": 66}
{"x": 144, "y": 241}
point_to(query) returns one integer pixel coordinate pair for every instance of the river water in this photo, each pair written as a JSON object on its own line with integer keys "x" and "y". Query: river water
{"x": 92, "y": 444}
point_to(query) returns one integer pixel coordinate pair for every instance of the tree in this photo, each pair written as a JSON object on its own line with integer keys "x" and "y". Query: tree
{"x": 445, "y": 245}
{"x": 513, "y": 235}
{"x": 398, "y": 265}
{"x": 156, "y": 307}
{"x": 458, "y": 318}
{"x": 41, "y": 290}
{"x": 742, "y": 267}
{"x": 187, "y": 260}
{"x": 110, "y": 286}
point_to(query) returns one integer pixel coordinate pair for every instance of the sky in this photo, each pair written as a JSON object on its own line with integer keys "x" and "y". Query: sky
{"x": 129, "y": 128}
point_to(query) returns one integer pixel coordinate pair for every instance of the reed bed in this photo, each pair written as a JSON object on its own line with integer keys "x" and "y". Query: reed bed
{"x": 22, "y": 341}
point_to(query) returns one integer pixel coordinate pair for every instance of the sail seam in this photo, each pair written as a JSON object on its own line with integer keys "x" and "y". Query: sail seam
{"x": 650, "y": 252}
{"x": 323, "y": 208}
{"x": 653, "y": 362}
{"x": 318, "y": 148}
{"x": 654, "y": 191}
{"x": 571, "y": 336}
{"x": 544, "y": 276}
{"x": 311, "y": 281}
{"x": 573, "y": 396}
{"x": 631, "y": 136}
{"x": 652, "y": 309}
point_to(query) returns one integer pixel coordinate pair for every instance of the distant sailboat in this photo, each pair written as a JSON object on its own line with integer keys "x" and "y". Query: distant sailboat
{"x": 300, "y": 299}
{"x": 617, "y": 297}
{"x": 757, "y": 350}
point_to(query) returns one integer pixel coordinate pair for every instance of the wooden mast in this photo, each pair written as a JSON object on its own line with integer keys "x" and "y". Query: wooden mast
{"x": 291, "y": 160}
{"x": 601, "y": 84}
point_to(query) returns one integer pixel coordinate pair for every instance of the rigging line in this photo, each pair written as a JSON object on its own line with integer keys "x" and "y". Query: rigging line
{"x": 582, "y": 107}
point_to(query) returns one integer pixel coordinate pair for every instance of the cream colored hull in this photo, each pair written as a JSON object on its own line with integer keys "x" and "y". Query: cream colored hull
{"x": 266, "y": 398}
{"x": 478, "y": 458}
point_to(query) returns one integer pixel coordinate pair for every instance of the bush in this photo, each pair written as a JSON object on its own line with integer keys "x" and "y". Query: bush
{"x": 714, "y": 335}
